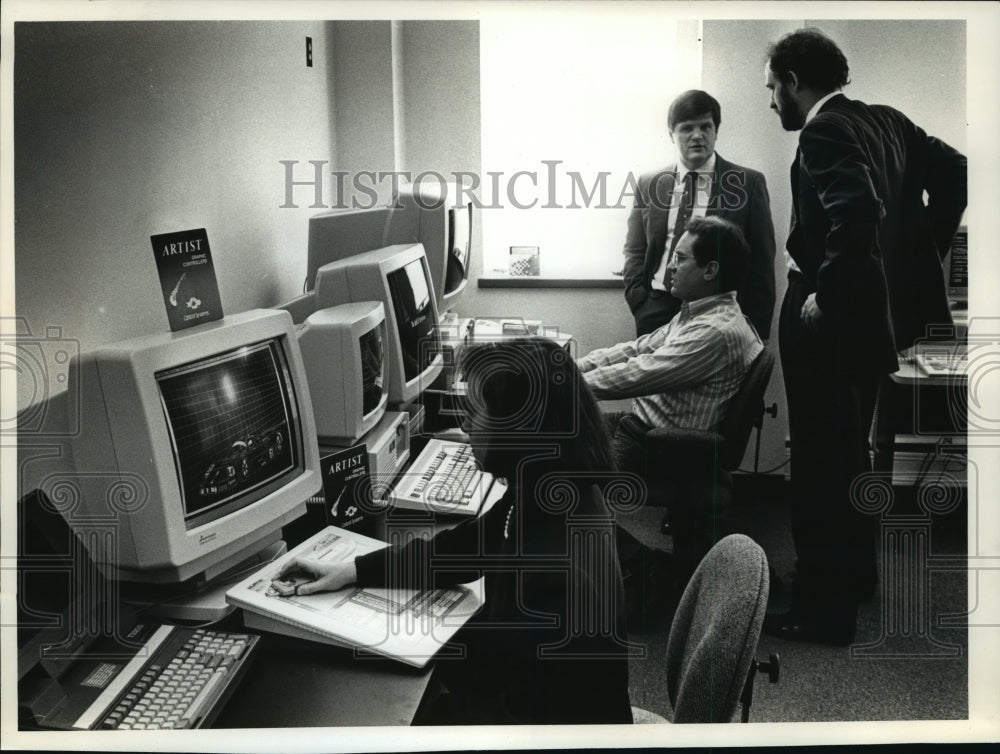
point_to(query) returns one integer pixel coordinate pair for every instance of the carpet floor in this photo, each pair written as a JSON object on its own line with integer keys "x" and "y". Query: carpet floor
{"x": 910, "y": 657}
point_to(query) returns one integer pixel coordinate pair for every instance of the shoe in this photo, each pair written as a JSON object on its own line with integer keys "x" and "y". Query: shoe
{"x": 795, "y": 627}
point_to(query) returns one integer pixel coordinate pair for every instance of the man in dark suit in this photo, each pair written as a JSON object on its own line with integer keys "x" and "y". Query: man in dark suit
{"x": 865, "y": 280}
{"x": 699, "y": 183}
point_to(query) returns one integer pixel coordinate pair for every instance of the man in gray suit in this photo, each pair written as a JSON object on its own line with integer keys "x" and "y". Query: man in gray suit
{"x": 700, "y": 183}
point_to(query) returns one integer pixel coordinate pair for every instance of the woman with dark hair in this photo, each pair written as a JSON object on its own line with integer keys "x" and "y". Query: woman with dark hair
{"x": 549, "y": 646}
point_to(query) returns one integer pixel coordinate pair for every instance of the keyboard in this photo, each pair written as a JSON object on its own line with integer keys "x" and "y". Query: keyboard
{"x": 944, "y": 361}
{"x": 183, "y": 684}
{"x": 444, "y": 478}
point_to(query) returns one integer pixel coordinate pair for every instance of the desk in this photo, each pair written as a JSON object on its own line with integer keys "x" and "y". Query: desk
{"x": 297, "y": 683}
{"x": 923, "y": 408}
{"x": 289, "y": 682}
{"x": 293, "y": 683}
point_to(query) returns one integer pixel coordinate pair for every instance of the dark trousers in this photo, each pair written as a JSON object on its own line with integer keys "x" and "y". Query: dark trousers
{"x": 684, "y": 486}
{"x": 653, "y": 313}
{"x": 628, "y": 441}
{"x": 830, "y": 412}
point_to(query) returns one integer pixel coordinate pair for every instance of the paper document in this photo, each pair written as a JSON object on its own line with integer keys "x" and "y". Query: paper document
{"x": 405, "y": 624}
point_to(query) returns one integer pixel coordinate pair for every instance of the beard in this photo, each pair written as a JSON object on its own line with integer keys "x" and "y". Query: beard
{"x": 788, "y": 112}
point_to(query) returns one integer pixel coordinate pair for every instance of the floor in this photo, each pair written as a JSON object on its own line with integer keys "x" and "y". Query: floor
{"x": 908, "y": 663}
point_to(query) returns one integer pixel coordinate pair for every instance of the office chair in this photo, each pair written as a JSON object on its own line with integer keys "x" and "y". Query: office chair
{"x": 690, "y": 471}
{"x": 710, "y": 663}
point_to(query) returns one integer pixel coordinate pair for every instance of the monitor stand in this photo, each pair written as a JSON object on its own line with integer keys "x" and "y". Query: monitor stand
{"x": 204, "y": 601}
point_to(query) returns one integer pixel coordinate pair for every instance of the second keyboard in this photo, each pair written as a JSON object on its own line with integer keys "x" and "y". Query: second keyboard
{"x": 444, "y": 478}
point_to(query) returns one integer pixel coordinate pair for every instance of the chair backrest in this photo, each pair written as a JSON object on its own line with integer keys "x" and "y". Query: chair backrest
{"x": 714, "y": 635}
{"x": 745, "y": 411}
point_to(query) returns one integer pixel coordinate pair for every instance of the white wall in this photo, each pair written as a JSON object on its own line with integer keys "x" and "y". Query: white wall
{"x": 440, "y": 97}
{"x": 361, "y": 58}
{"x": 124, "y": 130}
{"x": 918, "y": 67}
{"x": 577, "y": 92}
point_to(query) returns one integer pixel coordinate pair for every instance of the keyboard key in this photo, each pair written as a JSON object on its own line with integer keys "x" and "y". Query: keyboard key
{"x": 178, "y": 689}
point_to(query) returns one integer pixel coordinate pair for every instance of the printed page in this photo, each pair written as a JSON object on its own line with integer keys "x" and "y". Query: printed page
{"x": 407, "y": 624}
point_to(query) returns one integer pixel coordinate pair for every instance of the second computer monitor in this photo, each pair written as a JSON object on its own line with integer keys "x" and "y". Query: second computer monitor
{"x": 343, "y": 351}
{"x": 439, "y": 216}
{"x": 344, "y": 233}
{"x": 399, "y": 277}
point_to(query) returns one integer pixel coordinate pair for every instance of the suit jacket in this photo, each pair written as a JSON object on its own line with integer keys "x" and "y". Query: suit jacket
{"x": 739, "y": 195}
{"x": 861, "y": 233}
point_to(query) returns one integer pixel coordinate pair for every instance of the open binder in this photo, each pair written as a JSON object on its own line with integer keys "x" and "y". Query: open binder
{"x": 403, "y": 624}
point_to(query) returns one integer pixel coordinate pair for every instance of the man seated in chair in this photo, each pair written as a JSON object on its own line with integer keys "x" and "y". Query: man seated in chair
{"x": 684, "y": 373}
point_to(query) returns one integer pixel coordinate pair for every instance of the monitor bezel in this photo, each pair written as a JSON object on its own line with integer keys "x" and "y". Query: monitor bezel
{"x": 125, "y": 469}
{"x": 450, "y": 298}
{"x": 349, "y": 281}
{"x": 342, "y": 397}
{"x": 344, "y": 233}
{"x": 422, "y": 213}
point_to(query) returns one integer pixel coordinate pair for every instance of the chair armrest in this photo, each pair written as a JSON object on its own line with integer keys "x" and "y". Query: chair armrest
{"x": 688, "y": 452}
{"x": 663, "y": 439}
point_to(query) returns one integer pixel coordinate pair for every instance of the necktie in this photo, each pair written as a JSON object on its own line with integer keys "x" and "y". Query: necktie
{"x": 683, "y": 212}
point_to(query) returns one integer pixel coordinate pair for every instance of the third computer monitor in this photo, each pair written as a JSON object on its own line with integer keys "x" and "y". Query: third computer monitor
{"x": 439, "y": 216}
{"x": 400, "y": 278}
{"x": 344, "y": 233}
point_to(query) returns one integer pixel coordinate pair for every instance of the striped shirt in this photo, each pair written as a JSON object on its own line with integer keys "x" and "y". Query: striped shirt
{"x": 684, "y": 373}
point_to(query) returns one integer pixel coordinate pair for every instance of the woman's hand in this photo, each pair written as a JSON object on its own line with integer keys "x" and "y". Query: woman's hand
{"x": 324, "y": 577}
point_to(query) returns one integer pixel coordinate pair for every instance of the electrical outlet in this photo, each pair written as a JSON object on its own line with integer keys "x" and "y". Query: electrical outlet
{"x": 309, "y": 52}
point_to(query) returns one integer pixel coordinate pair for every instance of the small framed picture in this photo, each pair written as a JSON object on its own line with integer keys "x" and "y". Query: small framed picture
{"x": 524, "y": 261}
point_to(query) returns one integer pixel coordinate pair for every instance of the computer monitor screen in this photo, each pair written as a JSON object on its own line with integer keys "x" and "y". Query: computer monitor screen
{"x": 958, "y": 266}
{"x": 195, "y": 447}
{"x": 343, "y": 349}
{"x": 415, "y": 321}
{"x": 231, "y": 427}
{"x": 344, "y": 233}
{"x": 372, "y": 370}
{"x": 397, "y": 276}
{"x": 440, "y": 217}
{"x": 460, "y": 245}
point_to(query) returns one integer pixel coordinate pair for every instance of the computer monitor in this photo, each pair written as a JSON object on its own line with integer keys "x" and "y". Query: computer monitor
{"x": 958, "y": 267}
{"x": 195, "y": 448}
{"x": 343, "y": 350}
{"x": 344, "y": 233}
{"x": 439, "y": 216}
{"x": 399, "y": 277}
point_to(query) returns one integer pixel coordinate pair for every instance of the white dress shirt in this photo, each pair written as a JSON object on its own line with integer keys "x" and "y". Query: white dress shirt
{"x": 703, "y": 192}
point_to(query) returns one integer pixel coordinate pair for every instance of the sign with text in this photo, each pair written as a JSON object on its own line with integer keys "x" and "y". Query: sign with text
{"x": 187, "y": 277}
{"x": 347, "y": 489}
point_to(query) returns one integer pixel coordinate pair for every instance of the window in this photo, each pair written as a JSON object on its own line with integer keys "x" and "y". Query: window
{"x": 574, "y": 109}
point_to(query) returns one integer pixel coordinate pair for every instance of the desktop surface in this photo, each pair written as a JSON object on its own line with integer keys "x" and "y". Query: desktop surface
{"x": 297, "y": 684}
